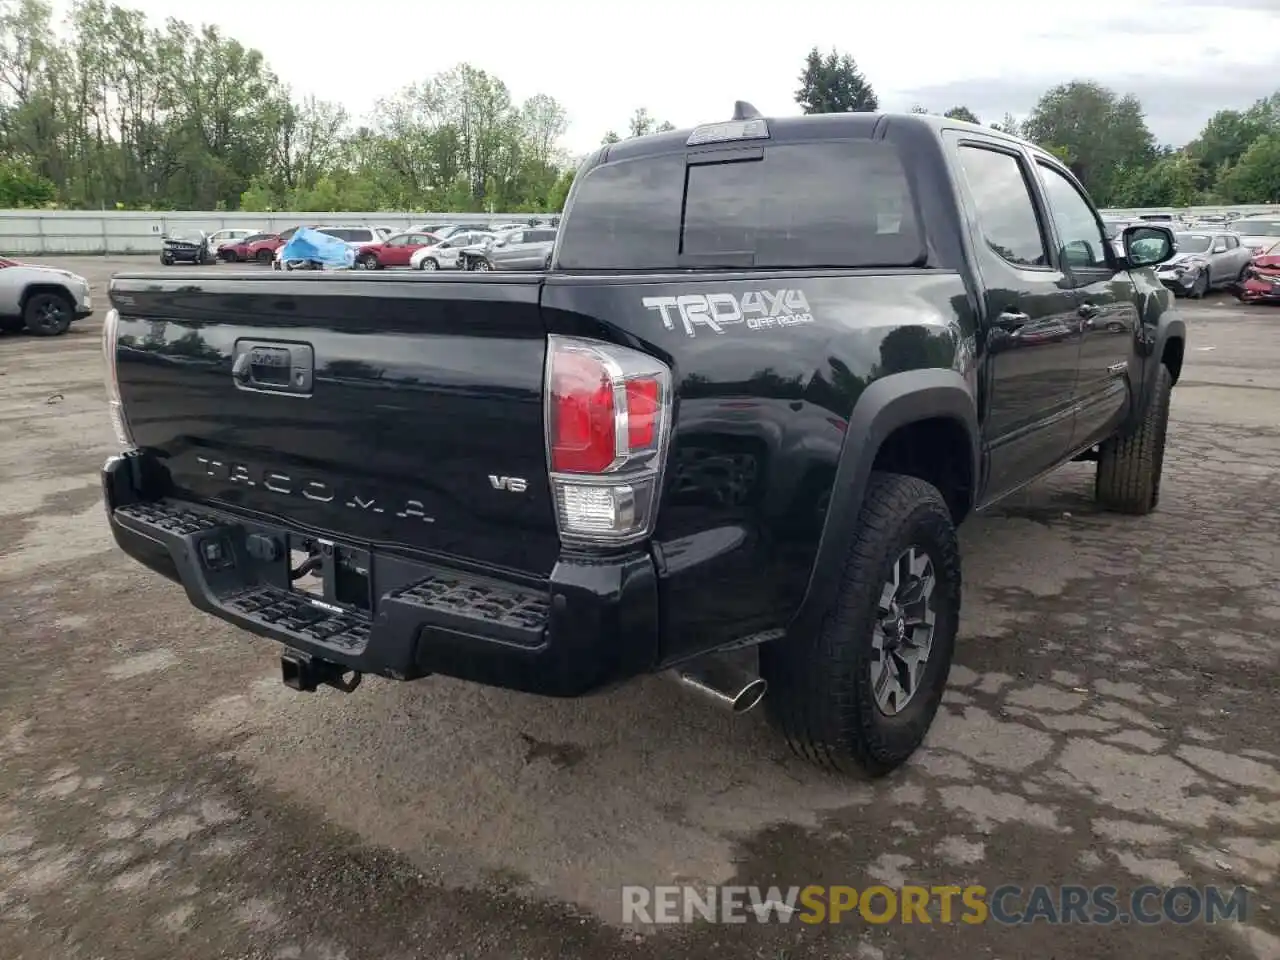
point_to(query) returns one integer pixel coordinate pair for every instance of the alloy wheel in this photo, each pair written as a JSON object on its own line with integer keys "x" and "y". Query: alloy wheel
{"x": 903, "y": 636}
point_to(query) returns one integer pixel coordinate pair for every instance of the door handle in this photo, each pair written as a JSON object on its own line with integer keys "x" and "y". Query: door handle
{"x": 1011, "y": 320}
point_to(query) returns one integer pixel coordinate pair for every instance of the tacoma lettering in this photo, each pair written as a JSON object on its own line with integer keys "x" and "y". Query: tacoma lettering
{"x": 317, "y": 491}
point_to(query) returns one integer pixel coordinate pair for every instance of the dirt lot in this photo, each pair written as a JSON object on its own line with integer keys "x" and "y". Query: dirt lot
{"x": 1113, "y": 720}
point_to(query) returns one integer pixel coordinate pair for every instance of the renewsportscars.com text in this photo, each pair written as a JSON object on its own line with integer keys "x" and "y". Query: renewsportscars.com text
{"x": 1008, "y": 904}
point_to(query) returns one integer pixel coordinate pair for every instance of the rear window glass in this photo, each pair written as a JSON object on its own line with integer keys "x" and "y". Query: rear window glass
{"x": 834, "y": 203}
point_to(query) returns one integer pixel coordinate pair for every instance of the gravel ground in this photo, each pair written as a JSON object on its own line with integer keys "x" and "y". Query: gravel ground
{"x": 1112, "y": 720}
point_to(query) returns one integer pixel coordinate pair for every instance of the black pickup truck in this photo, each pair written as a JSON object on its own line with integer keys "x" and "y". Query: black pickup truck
{"x": 728, "y": 436}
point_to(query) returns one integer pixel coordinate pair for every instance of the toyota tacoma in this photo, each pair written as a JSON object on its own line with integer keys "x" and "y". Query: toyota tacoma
{"x": 728, "y": 436}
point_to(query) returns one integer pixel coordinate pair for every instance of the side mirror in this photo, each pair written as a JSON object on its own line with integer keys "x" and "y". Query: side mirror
{"x": 1147, "y": 245}
{"x": 1078, "y": 253}
{"x": 1220, "y": 248}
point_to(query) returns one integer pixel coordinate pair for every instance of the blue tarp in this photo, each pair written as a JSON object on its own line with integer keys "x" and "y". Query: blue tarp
{"x": 308, "y": 244}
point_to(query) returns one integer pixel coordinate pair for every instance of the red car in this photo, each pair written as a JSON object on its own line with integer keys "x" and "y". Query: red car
{"x": 394, "y": 251}
{"x": 1261, "y": 281}
{"x": 238, "y": 251}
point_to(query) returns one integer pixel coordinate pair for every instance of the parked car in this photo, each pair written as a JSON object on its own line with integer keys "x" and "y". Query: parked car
{"x": 395, "y": 251}
{"x": 445, "y": 230}
{"x": 1261, "y": 280}
{"x": 215, "y": 240}
{"x": 44, "y": 300}
{"x": 1203, "y": 262}
{"x": 527, "y": 249}
{"x": 474, "y": 252}
{"x": 736, "y": 447}
{"x": 185, "y": 246}
{"x": 1256, "y": 233}
{"x": 444, "y": 255}
{"x": 246, "y": 248}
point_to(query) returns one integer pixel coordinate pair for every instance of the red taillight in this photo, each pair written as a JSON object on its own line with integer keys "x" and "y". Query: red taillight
{"x": 583, "y": 420}
{"x": 608, "y": 411}
{"x": 643, "y": 396}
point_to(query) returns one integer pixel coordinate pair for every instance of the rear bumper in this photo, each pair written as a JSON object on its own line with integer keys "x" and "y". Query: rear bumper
{"x": 1258, "y": 291}
{"x": 590, "y": 625}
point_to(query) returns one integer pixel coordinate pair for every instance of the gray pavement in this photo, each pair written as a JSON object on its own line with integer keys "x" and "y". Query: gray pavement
{"x": 1114, "y": 718}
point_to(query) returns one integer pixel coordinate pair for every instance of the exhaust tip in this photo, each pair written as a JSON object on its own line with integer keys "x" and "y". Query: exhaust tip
{"x": 730, "y": 687}
{"x": 750, "y": 695}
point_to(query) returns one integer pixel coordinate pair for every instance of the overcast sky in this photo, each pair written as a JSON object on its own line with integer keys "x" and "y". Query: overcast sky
{"x": 688, "y": 61}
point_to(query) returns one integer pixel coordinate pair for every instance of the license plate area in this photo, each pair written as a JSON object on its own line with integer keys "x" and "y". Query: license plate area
{"x": 332, "y": 573}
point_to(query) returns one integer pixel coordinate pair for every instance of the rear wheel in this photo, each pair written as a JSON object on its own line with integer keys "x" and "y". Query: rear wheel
{"x": 265, "y": 256}
{"x": 430, "y": 264}
{"x": 483, "y": 264}
{"x": 861, "y": 693}
{"x": 48, "y": 314}
{"x": 1130, "y": 468}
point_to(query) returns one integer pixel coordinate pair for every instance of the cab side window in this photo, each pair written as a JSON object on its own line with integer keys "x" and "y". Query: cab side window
{"x": 1005, "y": 211}
{"x": 1084, "y": 245}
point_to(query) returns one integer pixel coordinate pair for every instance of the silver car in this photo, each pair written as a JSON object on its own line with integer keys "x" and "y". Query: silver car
{"x": 528, "y": 249}
{"x": 444, "y": 255}
{"x": 1204, "y": 261}
{"x": 1256, "y": 233}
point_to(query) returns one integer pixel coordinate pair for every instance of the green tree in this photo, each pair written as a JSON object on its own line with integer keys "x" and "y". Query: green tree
{"x": 962, "y": 113}
{"x": 834, "y": 84}
{"x": 1008, "y": 124}
{"x": 1102, "y": 131}
{"x": 1172, "y": 181}
{"x": 21, "y": 187}
{"x": 1256, "y": 178}
{"x": 1226, "y": 137}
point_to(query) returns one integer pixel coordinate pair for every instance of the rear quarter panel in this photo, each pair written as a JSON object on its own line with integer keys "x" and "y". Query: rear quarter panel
{"x": 762, "y": 412}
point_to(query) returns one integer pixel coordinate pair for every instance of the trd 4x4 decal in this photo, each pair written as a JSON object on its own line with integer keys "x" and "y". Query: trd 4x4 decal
{"x": 758, "y": 309}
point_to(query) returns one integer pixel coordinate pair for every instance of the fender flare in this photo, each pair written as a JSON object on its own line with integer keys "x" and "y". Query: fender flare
{"x": 886, "y": 405}
{"x": 1172, "y": 329}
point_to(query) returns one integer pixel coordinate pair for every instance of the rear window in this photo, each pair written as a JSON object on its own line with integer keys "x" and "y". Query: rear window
{"x": 833, "y": 203}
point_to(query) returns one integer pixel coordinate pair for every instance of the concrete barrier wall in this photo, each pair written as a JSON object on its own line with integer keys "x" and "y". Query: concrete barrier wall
{"x": 46, "y": 232}
{"x": 51, "y": 232}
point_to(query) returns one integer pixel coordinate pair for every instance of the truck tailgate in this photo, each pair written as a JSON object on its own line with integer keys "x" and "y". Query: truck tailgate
{"x": 399, "y": 412}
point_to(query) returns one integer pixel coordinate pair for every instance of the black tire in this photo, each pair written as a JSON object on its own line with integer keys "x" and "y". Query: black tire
{"x": 48, "y": 314}
{"x": 1200, "y": 287}
{"x": 1130, "y": 468}
{"x": 482, "y": 264}
{"x": 369, "y": 262}
{"x": 265, "y": 256}
{"x": 820, "y": 693}
{"x": 430, "y": 263}
{"x": 166, "y": 260}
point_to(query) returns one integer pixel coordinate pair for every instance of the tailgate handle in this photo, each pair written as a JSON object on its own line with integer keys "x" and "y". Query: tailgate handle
{"x": 273, "y": 366}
